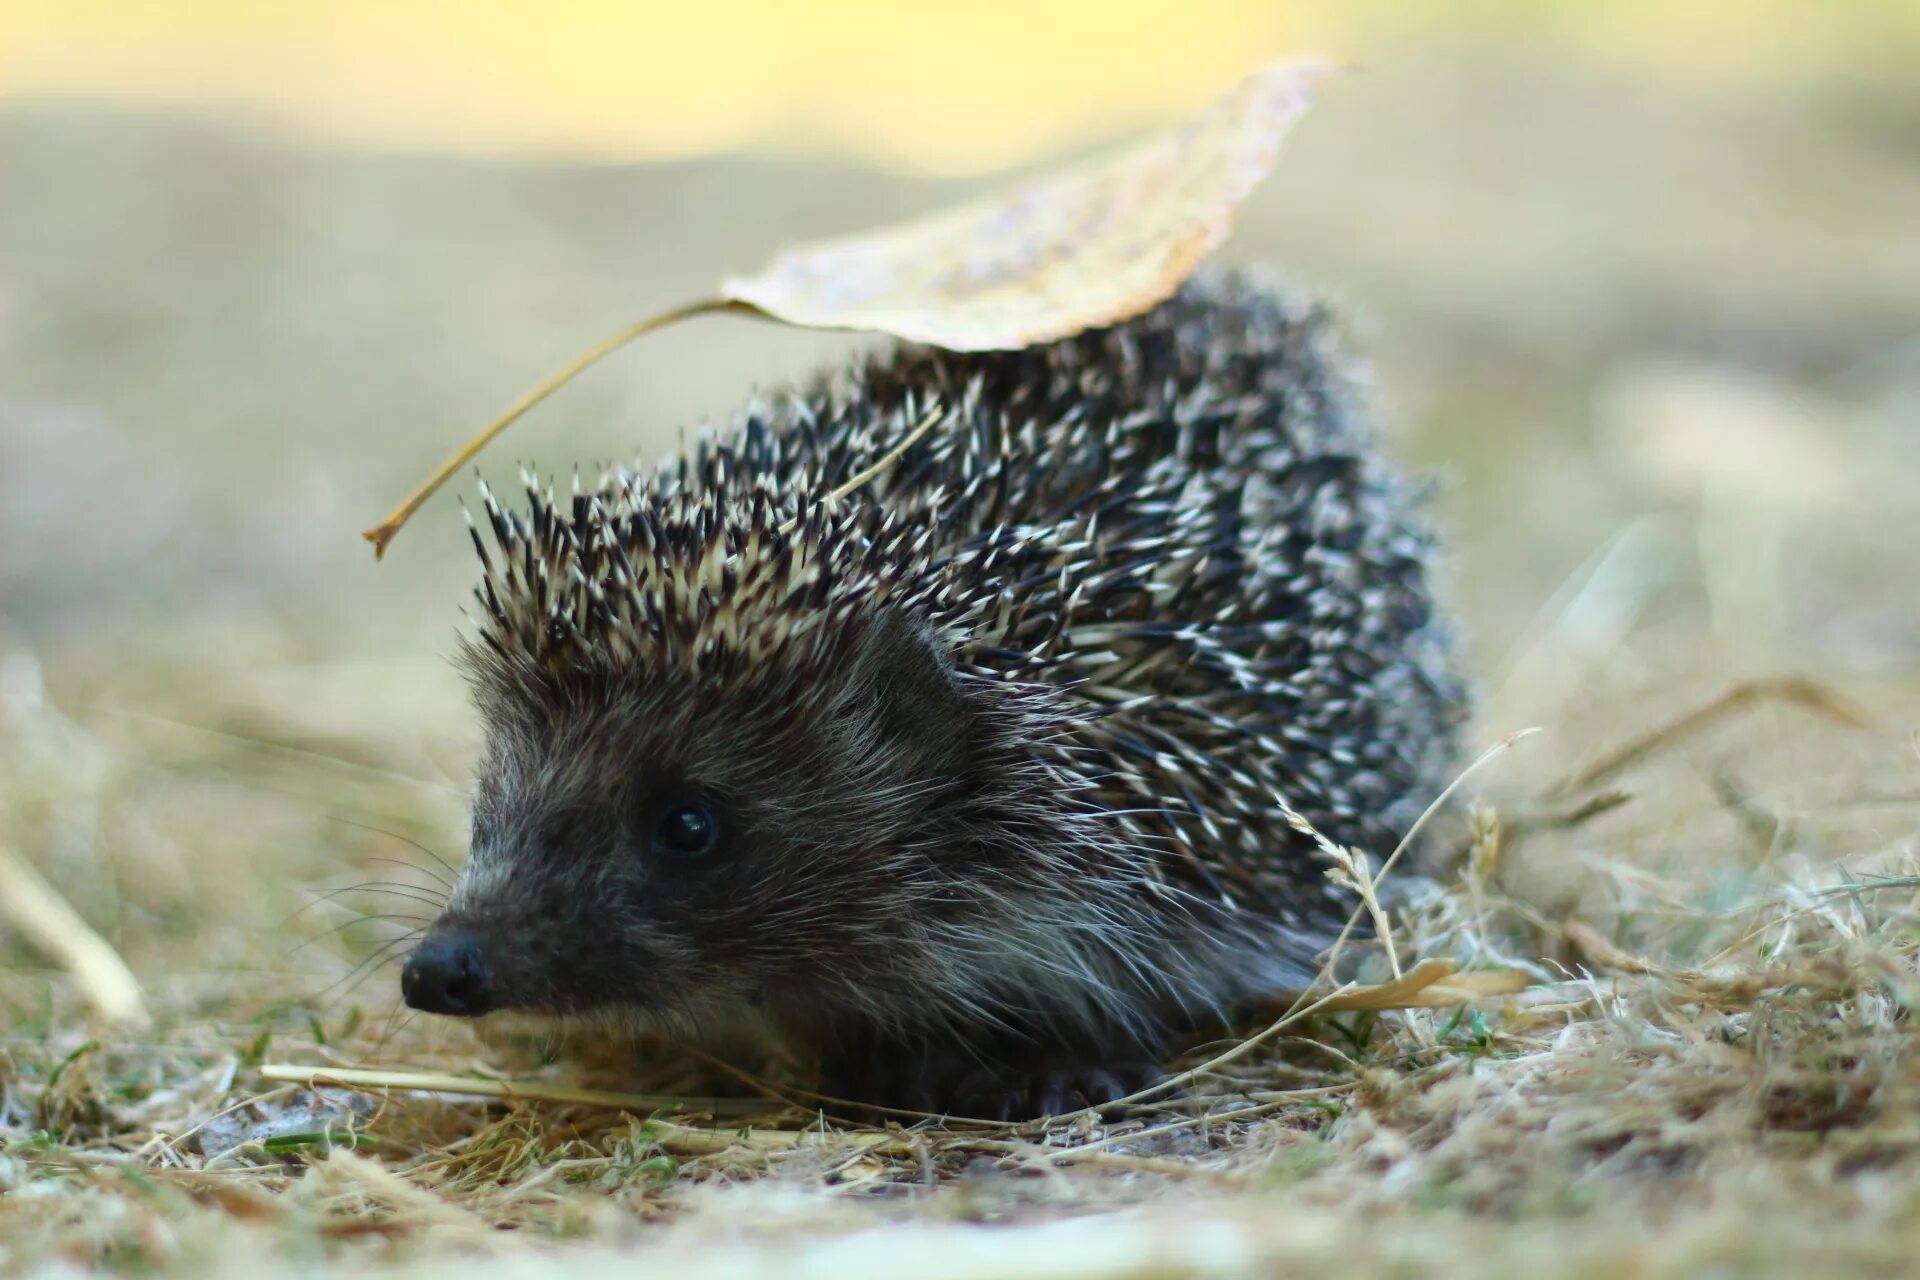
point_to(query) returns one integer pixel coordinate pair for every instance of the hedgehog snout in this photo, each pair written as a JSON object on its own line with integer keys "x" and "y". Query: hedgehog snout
{"x": 449, "y": 973}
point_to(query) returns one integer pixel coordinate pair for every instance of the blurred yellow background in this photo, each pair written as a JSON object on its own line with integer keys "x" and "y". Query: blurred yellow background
{"x": 941, "y": 84}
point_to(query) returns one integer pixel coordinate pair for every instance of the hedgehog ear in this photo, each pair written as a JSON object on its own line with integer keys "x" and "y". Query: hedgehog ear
{"x": 917, "y": 708}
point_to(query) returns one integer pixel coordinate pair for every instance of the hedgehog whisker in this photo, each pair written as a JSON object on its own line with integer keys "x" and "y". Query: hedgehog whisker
{"x": 398, "y": 1019}
{"x": 306, "y": 755}
{"x": 394, "y": 889}
{"x": 384, "y": 887}
{"x": 440, "y": 884}
{"x": 406, "y": 840}
{"x": 384, "y": 954}
{"x": 344, "y": 925}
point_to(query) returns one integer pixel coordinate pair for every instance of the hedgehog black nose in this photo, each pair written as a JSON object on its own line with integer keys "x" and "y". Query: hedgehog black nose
{"x": 448, "y": 974}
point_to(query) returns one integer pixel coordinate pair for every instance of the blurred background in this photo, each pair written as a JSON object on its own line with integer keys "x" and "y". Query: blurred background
{"x": 1640, "y": 283}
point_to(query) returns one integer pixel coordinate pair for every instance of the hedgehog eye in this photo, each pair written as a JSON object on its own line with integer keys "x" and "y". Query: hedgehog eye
{"x": 689, "y": 830}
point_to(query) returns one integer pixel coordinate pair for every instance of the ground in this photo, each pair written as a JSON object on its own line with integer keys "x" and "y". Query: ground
{"x": 1656, "y": 339}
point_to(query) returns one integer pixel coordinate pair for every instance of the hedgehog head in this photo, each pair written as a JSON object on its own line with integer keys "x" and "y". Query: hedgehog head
{"x": 732, "y": 769}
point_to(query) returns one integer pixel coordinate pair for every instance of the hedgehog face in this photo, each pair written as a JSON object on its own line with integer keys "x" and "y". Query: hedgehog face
{"x": 684, "y": 852}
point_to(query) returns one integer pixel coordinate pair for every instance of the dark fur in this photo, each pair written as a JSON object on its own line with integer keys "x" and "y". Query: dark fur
{"x": 1005, "y": 785}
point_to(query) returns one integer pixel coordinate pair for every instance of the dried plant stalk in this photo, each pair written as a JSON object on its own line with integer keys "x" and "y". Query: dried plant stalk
{"x": 45, "y": 918}
{"x": 513, "y": 1090}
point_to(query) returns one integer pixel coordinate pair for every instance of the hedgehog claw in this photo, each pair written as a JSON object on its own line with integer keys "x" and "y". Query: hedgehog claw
{"x": 955, "y": 1082}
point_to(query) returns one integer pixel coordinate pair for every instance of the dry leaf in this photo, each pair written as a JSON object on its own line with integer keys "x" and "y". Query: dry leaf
{"x": 1084, "y": 248}
{"x": 1088, "y": 247}
{"x": 1603, "y": 950}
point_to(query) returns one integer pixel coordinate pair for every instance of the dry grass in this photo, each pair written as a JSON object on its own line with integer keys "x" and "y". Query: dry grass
{"x": 1713, "y": 1066}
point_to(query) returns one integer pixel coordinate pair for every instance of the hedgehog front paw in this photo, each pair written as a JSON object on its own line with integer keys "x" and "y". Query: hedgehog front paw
{"x": 1038, "y": 1090}
{"x": 965, "y": 1081}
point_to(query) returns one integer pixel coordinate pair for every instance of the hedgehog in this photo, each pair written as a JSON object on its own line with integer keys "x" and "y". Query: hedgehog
{"x": 966, "y": 725}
